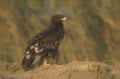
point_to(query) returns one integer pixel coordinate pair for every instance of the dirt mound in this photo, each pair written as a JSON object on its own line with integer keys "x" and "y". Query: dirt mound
{"x": 73, "y": 70}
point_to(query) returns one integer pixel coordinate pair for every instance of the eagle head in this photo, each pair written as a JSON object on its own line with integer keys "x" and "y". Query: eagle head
{"x": 58, "y": 19}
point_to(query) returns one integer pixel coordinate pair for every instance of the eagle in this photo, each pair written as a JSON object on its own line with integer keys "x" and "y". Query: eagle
{"x": 44, "y": 45}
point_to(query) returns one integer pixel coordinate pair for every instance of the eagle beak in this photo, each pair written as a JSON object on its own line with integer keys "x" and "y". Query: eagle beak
{"x": 64, "y": 18}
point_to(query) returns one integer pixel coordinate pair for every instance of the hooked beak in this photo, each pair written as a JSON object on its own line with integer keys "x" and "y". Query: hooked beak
{"x": 64, "y": 18}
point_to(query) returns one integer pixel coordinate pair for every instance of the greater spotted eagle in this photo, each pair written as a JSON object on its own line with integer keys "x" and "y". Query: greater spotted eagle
{"x": 44, "y": 44}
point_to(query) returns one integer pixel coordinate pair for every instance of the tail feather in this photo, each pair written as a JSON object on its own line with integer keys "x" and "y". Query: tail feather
{"x": 34, "y": 61}
{"x": 27, "y": 64}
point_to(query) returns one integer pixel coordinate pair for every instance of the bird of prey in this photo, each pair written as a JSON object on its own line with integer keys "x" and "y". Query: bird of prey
{"x": 45, "y": 44}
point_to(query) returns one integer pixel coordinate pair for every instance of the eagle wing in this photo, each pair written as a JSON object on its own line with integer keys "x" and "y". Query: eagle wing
{"x": 37, "y": 47}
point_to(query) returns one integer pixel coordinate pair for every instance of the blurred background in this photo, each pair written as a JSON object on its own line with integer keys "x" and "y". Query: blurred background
{"x": 92, "y": 29}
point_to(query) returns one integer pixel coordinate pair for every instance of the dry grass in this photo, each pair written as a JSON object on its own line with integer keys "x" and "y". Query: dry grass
{"x": 92, "y": 28}
{"x": 8, "y": 67}
{"x": 101, "y": 72}
{"x": 92, "y": 34}
{"x": 73, "y": 70}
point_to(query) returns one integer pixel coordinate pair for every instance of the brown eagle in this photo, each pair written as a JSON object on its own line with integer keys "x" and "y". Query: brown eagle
{"x": 45, "y": 44}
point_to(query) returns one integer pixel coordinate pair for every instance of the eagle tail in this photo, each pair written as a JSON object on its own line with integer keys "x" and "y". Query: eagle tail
{"x": 34, "y": 61}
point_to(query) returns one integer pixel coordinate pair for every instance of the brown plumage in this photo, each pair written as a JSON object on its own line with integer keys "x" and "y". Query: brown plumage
{"x": 45, "y": 44}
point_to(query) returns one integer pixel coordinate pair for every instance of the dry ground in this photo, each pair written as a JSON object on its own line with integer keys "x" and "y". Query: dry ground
{"x": 73, "y": 70}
